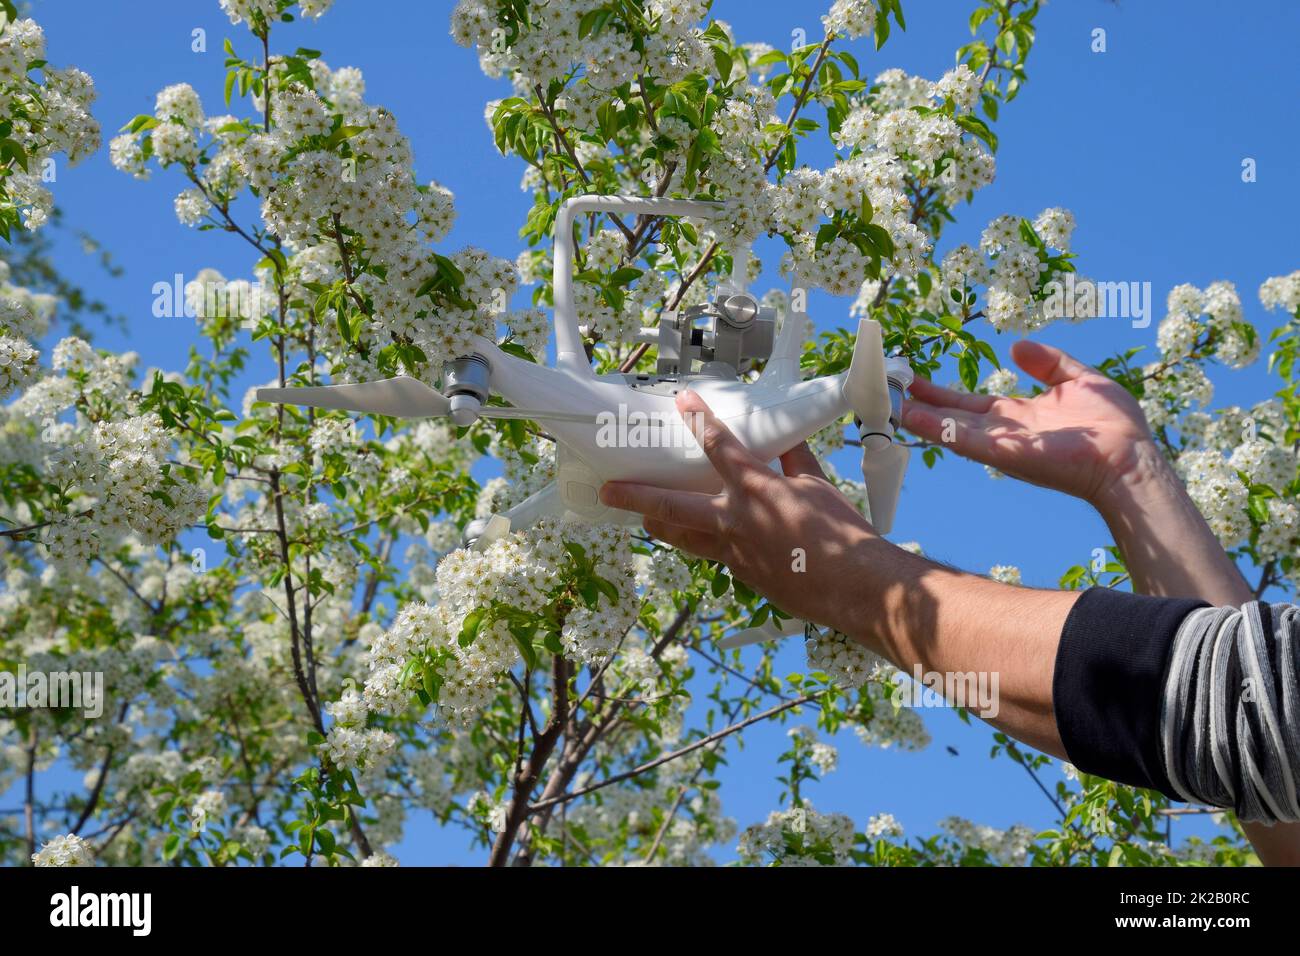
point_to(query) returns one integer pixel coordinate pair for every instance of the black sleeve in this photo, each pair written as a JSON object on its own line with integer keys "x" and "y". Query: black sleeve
{"x": 1108, "y": 683}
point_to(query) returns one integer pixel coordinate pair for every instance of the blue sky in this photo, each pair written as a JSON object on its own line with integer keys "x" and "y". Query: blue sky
{"x": 1144, "y": 143}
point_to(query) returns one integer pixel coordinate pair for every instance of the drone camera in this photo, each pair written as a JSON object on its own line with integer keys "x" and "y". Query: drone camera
{"x": 720, "y": 335}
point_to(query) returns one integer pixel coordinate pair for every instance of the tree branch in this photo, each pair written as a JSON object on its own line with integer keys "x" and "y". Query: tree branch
{"x": 666, "y": 758}
{"x": 543, "y": 747}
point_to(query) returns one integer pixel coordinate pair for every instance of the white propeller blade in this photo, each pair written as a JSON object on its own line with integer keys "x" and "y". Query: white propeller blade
{"x": 498, "y": 526}
{"x": 883, "y": 472}
{"x": 865, "y": 387}
{"x": 531, "y": 414}
{"x": 400, "y": 397}
{"x": 770, "y": 630}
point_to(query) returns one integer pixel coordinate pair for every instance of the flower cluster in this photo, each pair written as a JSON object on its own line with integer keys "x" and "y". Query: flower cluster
{"x": 853, "y": 18}
{"x": 821, "y": 755}
{"x": 49, "y": 116}
{"x": 1004, "y": 847}
{"x": 1239, "y": 465}
{"x": 121, "y": 469}
{"x": 551, "y": 46}
{"x": 846, "y": 662}
{"x": 469, "y": 639}
{"x": 19, "y": 360}
{"x": 334, "y": 180}
{"x": 68, "y": 850}
{"x": 1207, "y": 319}
{"x": 1006, "y": 573}
{"x": 798, "y": 836}
{"x": 1016, "y": 260}
{"x": 257, "y": 13}
{"x": 1281, "y": 292}
{"x": 883, "y": 825}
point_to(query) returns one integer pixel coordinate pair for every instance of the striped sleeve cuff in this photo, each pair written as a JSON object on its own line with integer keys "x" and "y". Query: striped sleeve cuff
{"x": 1108, "y": 684}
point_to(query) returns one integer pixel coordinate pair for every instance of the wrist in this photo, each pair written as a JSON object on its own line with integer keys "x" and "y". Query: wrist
{"x": 1168, "y": 547}
{"x": 1145, "y": 482}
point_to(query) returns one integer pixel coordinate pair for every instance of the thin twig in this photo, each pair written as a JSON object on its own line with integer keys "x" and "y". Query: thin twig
{"x": 666, "y": 758}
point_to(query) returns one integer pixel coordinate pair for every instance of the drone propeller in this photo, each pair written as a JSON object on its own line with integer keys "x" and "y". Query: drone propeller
{"x": 866, "y": 388}
{"x": 487, "y": 531}
{"x": 883, "y": 472}
{"x": 769, "y": 630}
{"x": 402, "y": 397}
{"x": 531, "y": 414}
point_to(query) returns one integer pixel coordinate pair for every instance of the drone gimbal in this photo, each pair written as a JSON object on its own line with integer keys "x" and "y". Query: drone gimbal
{"x": 734, "y": 330}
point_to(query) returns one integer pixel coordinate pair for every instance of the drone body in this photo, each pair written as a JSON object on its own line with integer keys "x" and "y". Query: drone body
{"x": 634, "y": 432}
{"x": 624, "y": 426}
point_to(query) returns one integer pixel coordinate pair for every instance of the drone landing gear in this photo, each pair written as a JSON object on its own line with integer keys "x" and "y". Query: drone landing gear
{"x": 575, "y": 495}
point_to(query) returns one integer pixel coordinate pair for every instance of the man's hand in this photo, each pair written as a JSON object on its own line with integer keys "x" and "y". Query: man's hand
{"x": 893, "y": 602}
{"x": 1083, "y": 436}
{"x": 761, "y": 523}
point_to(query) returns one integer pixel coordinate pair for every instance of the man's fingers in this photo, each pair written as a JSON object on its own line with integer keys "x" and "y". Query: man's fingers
{"x": 699, "y": 543}
{"x": 689, "y": 509}
{"x": 942, "y": 397}
{"x": 962, "y": 431}
{"x": 1049, "y": 365}
{"x": 800, "y": 460}
{"x": 729, "y": 457}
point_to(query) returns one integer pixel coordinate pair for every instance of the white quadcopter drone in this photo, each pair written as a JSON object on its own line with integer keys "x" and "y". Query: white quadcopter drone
{"x": 701, "y": 348}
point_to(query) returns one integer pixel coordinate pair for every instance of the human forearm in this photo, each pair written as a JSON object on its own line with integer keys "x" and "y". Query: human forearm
{"x": 914, "y": 612}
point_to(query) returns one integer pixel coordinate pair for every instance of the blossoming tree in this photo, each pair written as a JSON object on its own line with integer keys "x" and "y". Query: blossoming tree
{"x": 328, "y": 659}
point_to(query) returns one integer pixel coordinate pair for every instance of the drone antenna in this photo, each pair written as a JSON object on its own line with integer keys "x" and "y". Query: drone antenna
{"x": 783, "y": 365}
{"x": 738, "y": 280}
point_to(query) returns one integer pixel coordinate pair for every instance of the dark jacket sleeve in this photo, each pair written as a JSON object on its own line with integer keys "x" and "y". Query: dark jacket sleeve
{"x": 1108, "y": 684}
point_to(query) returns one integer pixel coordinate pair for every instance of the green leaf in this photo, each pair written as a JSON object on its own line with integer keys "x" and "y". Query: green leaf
{"x": 523, "y": 636}
{"x": 593, "y": 22}
{"x": 171, "y": 846}
{"x": 518, "y": 351}
{"x": 968, "y": 367}
{"x": 721, "y": 581}
{"x": 882, "y": 29}
{"x": 722, "y": 62}
{"x": 141, "y": 122}
{"x": 429, "y": 679}
{"x": 976, "y": 126}
{"x": 470, "y": 626}
{"x": 11, "y": 151}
